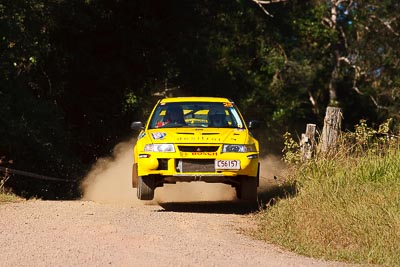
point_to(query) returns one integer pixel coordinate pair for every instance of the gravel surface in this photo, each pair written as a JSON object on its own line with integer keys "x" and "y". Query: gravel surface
{"x": 86, "y": 233}
{"x": 188, "y": 224}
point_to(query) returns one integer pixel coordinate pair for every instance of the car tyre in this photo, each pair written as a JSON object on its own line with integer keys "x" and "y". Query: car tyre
{"x": 146, "y": 186}
{"x": 247, "y": 190}
{"x": 134, "y": 176}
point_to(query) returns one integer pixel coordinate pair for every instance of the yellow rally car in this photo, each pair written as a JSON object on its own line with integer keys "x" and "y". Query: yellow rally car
{"x": 195, "y": 139}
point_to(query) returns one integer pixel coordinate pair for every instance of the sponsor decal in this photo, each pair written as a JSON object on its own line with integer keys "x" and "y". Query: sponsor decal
{"x": 204, "y": 153}
{"x": 198, "y": 138}
{"x": 228, "y": 104}
{"x": 158, "y": 135}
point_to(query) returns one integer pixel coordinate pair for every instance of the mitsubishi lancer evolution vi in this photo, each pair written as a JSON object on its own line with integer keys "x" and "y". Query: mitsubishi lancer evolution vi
{"x": 189, "y": 139}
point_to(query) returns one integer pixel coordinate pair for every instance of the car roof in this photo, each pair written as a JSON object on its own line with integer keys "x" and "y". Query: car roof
{"x": 195, "y": 99}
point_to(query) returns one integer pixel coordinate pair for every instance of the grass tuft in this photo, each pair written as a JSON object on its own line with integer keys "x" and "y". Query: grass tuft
{"x": 8, "y": 197}
{"x": 5, "y": 195}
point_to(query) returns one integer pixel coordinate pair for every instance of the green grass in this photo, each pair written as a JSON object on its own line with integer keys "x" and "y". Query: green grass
{"x": 347, "y": 209}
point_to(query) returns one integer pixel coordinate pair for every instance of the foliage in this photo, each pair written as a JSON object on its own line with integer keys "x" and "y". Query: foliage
{"x": 291, "y": 150}
{"x": 34, "y": 136}
{"x": 369, "y": 138}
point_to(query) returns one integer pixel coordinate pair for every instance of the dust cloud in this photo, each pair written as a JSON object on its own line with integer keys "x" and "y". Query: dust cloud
{"x": 272, "y": 171}
{"x": 109, "y": 181}
{"x": 195, "y": 191}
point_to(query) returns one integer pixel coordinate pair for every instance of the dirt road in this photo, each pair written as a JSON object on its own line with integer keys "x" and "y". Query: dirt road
{"x": 85, "y": 233}
{"x": 187, "y": 225}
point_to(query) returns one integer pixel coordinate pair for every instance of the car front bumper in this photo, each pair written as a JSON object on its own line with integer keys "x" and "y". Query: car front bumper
{"x": 196, "y": 167}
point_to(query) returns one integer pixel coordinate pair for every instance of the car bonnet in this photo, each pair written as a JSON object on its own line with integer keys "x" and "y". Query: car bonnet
{"x": 199, "y": 135}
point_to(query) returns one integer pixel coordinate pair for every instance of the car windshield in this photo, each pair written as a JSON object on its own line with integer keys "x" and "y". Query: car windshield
{"x": 196, "y": 114}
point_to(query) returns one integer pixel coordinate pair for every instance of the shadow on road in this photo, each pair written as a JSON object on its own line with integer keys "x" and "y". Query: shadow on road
{"x": 266, "y": 198}
{"x": 221, "y": 207}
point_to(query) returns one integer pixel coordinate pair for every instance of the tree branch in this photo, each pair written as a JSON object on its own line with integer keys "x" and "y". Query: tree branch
{"x": 357, "y": 72}
{"x": 376, "y": 103}
{"x": 260, "y": 3}
{"x": 387, "y": 23}
{"x": 267, "y": 2}
{"x": 262, "y": 8}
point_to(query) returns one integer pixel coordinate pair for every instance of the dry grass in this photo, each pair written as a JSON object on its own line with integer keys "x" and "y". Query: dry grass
{"x": 347, "y": 208}
{"x": 8, "y": 197}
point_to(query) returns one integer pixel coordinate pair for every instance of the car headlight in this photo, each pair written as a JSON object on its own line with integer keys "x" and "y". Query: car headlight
{"x": 238, "y": 148}
{"x": 159, "y": 148}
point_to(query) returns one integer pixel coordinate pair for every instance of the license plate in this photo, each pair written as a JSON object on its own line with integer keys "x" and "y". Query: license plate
{"x": 227, "y": 164}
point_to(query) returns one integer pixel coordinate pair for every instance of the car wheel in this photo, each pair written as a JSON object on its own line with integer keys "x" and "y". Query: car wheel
{"x": 247, "y": 190}
{"x": 146, "y": 186}
{"x": 134, "y": 176}
{"x": 238, "y": 192}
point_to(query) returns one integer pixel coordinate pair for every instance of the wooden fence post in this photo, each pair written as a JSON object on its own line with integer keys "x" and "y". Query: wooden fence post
{"x": 307, "y": 143}
{"x": 331, "y": 130}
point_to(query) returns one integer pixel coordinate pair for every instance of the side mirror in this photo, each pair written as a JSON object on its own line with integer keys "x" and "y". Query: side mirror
{"x": 253, "y": 124}
{"x": 137, "y": 125}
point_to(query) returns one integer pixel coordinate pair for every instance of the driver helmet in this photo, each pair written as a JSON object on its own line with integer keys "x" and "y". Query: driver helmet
{"x": 216, "y": 117}
{"x": 175, "y": 114}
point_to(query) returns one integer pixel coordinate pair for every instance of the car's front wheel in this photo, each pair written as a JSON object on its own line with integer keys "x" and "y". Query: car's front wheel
{"x": 145, "y": 188}
{"x": 247, "y": 189}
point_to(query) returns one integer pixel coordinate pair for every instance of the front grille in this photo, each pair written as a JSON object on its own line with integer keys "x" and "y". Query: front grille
{"x": 198, "y": 148}
{"x": 195, "y": 165}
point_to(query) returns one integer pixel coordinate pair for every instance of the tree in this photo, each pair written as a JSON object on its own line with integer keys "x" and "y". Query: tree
{"x": 350, "y": 48}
